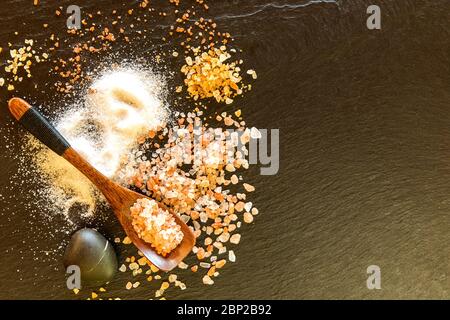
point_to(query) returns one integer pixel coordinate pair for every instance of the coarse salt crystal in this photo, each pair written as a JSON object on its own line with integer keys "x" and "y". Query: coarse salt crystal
{"x": 133, "y": 266}
{"x": 219, "y": 264}
{"x": 235, "y": 238}
{"x": 224, "y": 237}
{"x": 252, "y": 73}
{"x": 172, "y": 278}
{"x": 155, "y": 226}
{"x": 249, "y": 187}
{"x": 203, "y": 217}
{"x": 207, "y": 280}
{"x": 165, "y": 285}
{"x": 248, "y": 217}
{"x": 239, "y": 206}
{"x": 231, "y": 256}
{"x": 255, "y": 133}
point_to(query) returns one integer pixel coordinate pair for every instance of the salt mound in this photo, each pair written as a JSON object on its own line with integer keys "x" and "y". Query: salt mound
{"x": 120, "y": 106}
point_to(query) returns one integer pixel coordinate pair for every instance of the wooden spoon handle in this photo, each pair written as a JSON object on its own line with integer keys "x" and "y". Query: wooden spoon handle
{"x": 37, "y": 125}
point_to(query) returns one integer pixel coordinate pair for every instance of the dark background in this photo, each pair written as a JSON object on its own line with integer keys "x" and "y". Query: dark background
{"x": 364, "y": 119}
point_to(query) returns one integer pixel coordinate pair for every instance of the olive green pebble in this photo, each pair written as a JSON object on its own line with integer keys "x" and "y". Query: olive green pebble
{"x": 95, "y": 256}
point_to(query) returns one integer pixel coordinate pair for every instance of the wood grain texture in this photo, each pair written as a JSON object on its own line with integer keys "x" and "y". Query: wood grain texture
{"x": 18, "y": 107}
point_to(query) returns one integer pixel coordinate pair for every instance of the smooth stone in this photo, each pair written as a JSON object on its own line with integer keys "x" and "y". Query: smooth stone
{"x": 94, "y": 254}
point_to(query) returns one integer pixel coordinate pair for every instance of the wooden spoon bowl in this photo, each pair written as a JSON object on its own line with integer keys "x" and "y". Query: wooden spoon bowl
{"x": 121, "y": 199}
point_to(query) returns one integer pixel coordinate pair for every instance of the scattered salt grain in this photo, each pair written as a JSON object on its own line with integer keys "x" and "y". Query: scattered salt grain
{"x": 133, "y": 266}
{"x": 248, "y": 217}
{"x": 255, "y": 133}
{"x": 231, "y": 256}
{"x": 172, "y": 278}
{"x": 235, "y": 238}
{"x": 224, "y": 237}
{"x": 219, "y": 264}
{"x": 252, "y": 73}
{"x": 249, "y": 187}
{"x": 230, "y": 168}
{"x": 165, "y": 285}
{"x": 207, "y": 280}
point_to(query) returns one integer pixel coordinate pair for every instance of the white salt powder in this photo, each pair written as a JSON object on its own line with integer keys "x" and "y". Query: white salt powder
{"x": 118, "y": 107}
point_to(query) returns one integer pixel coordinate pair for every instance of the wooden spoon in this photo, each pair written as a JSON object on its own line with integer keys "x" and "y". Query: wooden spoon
{"x": 120, "y": 198}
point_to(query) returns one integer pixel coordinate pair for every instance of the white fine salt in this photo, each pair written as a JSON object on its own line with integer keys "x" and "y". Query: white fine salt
{"x": 120, "y": 106}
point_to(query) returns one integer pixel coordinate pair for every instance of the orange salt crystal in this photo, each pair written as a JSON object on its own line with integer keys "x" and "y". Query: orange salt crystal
{"x": 219, "y": 264}
{"x": 155, "y": 226}
{"x": 240, "y": 206}
{"x": 142, "y": 261}
{"x": 249, "y": 187}
{"x": 141, "y": 139}
{"x": 211, "y": 271}
{"x": 201, "y": 254}
{"x": 165, "y": 285}
{"x": 195, "y": 215}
